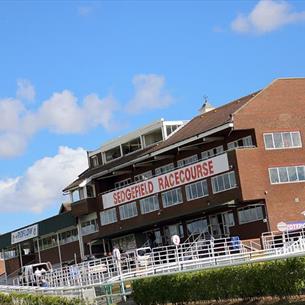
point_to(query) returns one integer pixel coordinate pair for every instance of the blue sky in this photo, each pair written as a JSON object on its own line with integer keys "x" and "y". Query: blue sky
{"x": 76, "y": 74}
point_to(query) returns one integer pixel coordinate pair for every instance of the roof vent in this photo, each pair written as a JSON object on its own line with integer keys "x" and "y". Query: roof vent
{"x": 206, "y": 107}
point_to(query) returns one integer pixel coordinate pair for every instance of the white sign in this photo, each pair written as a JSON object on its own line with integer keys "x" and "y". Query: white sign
{"x": 24, "y": 234}
{"x": 290, "y": 226}
{"x": 176, "y": 240}
{"x": 181, "y": 176}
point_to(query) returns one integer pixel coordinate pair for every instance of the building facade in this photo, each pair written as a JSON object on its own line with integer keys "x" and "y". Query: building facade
{"x": 237, "y": 170}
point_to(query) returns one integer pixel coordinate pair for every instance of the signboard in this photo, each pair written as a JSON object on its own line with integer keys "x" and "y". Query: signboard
{"x": 290, "y": 226}
{"x": 24, "y": 234}
{"x": 176, "y": 240}
{"x": 178, "y": 177}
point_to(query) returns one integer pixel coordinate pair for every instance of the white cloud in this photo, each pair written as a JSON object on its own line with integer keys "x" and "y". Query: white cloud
{"x": 149, "y": 93}
{"x": 267, "y": 16}
{"x": 41, "y": 185}
{"x": 25, "y": 90}
{"x": 61, "y": 113}
{"x": 84, "y": 11}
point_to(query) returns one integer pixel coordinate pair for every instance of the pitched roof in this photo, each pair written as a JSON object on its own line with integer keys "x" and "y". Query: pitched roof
{"x": 206, "y": 121}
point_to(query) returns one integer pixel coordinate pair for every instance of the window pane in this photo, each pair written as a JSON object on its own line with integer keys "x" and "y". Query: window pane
{"x": 296, "y": 139}
{"x": 268, "y": 141}
{"x": 283, "y": 174}
{"x": 292, "y": 173}
{"x": 301, "y": 173}
{"x": 287, "y": 139}
{"x": 278, "y": 142}
{"x": 274, "y": 178}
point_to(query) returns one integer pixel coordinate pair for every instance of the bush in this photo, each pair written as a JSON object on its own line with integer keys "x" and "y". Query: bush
{"x": 281, "y": 278}
{"x": 32, "y": 299}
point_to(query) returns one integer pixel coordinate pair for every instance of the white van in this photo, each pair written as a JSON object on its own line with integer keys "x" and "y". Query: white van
{"x": 141, "y": 257}
{"x": 30, "y": 275}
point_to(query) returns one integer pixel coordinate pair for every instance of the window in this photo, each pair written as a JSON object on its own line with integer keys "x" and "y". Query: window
{"x": 197, "y": 226}
{"x": 68, "y": 236}
{"x": 212, "y": 152}
{"x": 89, "y": 227}
{"x": 122, "y": 183}
{"x": 250, "y": 214}
{"x": 228, "y": 219}
{"x": 243, "y": 142}
{"x": 170, "y": 129}
{"x": 48, "y": 242}
{"x": 282, "y": 140}
{"x": 128, "y": 210}
{"x": 125, "y": 243}
{"x": 108, "y": 216}
{"x": 223, "y": 182}
{"x": 196, "y": 190}
{"x": 94, "y": 161}
{"x": 149, "y": 204}
{"x": 287, "y": 174}
{"x": 113, "y": 153}
{"x": 143, "y": 176}
{"x": 164, "y": 169}
{"x": 171, "y": 197}
{"x": 131, "y": 146}
{"x": 187, "y": 161}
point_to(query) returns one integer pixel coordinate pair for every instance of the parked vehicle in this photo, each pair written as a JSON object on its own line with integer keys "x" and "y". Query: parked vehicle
{"x": 140, "y": 257}
{"x": 31, "y": 275}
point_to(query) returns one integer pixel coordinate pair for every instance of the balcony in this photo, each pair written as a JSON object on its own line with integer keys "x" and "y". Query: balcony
{"x": 84, "y": 206}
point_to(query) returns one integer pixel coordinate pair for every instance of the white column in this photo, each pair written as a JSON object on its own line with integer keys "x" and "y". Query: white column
{"x": 80, "y": 240}
{"x": 38, "y": 249}
{"x": 59, "y": 250}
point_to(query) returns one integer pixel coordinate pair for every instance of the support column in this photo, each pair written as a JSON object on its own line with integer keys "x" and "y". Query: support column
{"x": 80, "y": 240}
{"x": 20, "y": 255}
{"x": 38, "y": 249}
{"x": 4, "y": 264}
{"x": 59, "y": 250}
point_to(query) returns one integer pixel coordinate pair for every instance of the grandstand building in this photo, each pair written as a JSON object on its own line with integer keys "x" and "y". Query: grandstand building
{"x": 236, "y": 170}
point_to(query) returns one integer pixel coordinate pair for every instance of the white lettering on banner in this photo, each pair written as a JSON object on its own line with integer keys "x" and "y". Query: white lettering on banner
{"x": 290, "y": 226}
{"x": 181, "y": 176}
{"x": 24, "y": 234}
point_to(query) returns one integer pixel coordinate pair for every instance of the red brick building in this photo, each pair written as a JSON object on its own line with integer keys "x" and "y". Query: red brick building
{"x": 237, "y": 170}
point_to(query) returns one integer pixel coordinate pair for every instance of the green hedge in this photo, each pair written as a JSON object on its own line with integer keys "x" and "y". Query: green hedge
{"x": 31, "y": 299}
{"x": 279, "y": 278}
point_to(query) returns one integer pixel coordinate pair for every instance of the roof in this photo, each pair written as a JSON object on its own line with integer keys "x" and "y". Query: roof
{"x": 206, "y": 121}
{"x": 46, "y": 226}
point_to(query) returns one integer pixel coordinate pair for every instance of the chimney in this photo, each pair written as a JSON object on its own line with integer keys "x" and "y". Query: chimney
{"x": 206, "y": 107}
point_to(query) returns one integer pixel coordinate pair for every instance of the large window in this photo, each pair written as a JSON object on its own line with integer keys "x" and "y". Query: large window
{"x": 187, "y": 161}
{"x": 250, "y": 214}
{"x": 108, "y": 216}
{"x": 149, "y": 204}
{"x": 89, "y": 226}
{"x": 243, "y": 142}
{"x": 287, "y": 174}
{"x": 211, "y": 152}
{"x": 172, "y": 197}
{"x": 128, "y": 210}
{"x": 223, "y": 182}
{"x": 68, "y": 236}
{"x": 196, "y": 190}
{"x": 197, "y": 226}
{"x": 282, "y": 140}
{"x": 122, "y": 183}
{"x": 164, "y": 169}
{"x": 143, "y": 176}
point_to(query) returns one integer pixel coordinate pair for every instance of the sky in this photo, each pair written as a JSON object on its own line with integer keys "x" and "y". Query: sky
{"x": 77, "y": 74}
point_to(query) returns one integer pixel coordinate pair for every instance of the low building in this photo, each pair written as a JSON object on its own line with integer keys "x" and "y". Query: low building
{"x": 236, "y": 170}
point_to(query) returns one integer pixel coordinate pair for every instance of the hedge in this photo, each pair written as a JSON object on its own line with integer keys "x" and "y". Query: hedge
{"x": 31, "y": 299}
{"x": 281, "y": 278}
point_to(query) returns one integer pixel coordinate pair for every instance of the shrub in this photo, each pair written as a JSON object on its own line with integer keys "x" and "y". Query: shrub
{"x": 279, "y": 278}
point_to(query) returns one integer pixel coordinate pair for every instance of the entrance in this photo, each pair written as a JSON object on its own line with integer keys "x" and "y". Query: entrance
{"x": 220, "y": 224}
